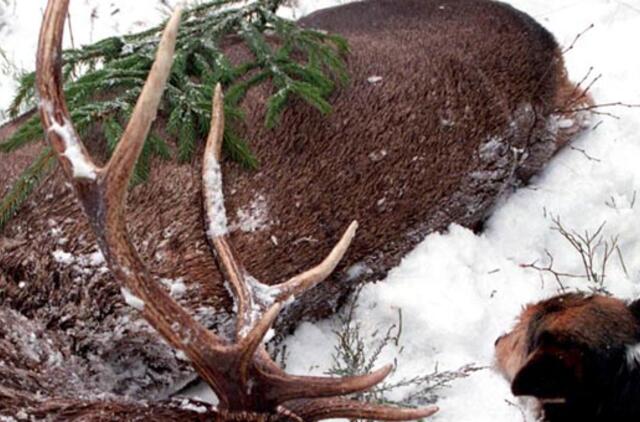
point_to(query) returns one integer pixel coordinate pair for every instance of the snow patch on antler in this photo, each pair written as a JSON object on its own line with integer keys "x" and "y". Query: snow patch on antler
{"x": 216, "y": 214}
{"x": 81, "y": 166}
{"x": 264, "y": 294}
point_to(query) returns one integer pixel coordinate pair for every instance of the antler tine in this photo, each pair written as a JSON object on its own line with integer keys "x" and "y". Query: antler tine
{"x": 53, "y": 108}
{"x": 286, "y": 387}
{"x": 216, "y": 217}
{"x": 310, "y": 278}
{"x": 318, "y": 409}
{"x": 216, "y": 133}
{"x": 121, "y": 165}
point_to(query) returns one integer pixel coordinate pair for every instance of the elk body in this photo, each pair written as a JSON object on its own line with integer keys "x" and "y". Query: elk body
{"x": 578, "y": 355}
{"x": 451, "y": 103}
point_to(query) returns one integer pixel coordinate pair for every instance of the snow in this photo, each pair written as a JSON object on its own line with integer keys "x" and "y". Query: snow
{"x": 304, "y": 7}
{"x": 91, "y": 20}
{"x": 96, "y": 258}
{"x": 458, "y": 291}
{"x": 82, "y": 265}
{"x": 131, "y": 299}
{"x": 253, "y": 217}
{"x": 269, "y": 336}
{"x": 176, "y": 287}
{"x": 63, "y": 257}
{"x": 81, "y": 165}
{"x": 187, "y": 405}
{"x": 180, "y": 355}
{"x": 357, "y": 270}
{"x": 376, "y": 156}
{"x": 212, "y": 184}
{"x": 264, "y": 294}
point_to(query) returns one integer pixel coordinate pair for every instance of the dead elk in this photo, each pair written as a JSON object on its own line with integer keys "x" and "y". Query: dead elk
{"x": 451, "y": 104}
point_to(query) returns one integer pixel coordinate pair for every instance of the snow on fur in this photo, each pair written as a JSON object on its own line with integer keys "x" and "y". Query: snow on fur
{"x": 131, "y": 299}
{"x": 253, "y": 217}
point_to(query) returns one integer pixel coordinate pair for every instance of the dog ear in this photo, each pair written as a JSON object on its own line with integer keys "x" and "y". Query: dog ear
{"x": 550, "y": 372}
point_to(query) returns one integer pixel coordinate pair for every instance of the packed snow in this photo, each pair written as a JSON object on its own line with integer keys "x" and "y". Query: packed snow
{"x": 458, "y": 291}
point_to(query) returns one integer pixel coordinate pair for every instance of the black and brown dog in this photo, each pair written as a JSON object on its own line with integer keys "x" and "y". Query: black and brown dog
{"x": 579, "y": 355}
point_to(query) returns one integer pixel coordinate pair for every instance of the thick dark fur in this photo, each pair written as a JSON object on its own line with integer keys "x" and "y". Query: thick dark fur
{"x": 465, "y": 110}
{"x": 578, "y": 349}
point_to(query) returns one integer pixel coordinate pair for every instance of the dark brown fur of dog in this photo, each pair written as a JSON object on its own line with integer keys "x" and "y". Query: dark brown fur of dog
{"x": 576, "y": 353}
{"x": 465, "y": 110}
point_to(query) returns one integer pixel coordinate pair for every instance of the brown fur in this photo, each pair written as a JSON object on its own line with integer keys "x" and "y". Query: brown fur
{"x": 19, "y": 160}
{"x": 465, "y": 110}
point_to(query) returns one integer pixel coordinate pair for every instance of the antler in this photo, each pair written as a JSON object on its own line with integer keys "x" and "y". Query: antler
{"x": 246, "y": 380}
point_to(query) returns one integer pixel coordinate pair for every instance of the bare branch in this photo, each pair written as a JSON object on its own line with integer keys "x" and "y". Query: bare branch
{"x": 594, "y": 251}
{"x": 577, "y": 38}
{"x": 589, "y": 157}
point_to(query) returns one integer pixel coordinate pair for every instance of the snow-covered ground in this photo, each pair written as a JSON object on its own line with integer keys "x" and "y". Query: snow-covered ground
{"x": 458, "y": 291}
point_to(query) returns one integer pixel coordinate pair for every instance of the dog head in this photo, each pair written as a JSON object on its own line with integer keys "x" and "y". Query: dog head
{"x": 578, "y": 354}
